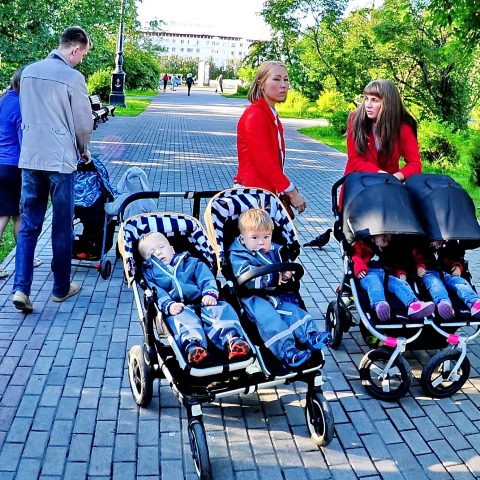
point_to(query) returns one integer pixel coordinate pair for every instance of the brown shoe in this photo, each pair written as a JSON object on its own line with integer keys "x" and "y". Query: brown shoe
{"x": 74, "y": 289}
{"x": 22, "y": 302}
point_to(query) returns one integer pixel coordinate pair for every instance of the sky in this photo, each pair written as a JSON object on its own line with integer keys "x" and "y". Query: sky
{"x": 220, "y": 17}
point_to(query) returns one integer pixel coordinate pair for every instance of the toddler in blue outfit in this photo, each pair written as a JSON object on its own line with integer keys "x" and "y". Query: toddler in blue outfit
{"x": 280, "y": 322}
{"x": 182, "y": 282}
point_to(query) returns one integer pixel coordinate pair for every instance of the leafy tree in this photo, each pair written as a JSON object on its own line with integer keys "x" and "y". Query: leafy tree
{"x": 178, "y": 65}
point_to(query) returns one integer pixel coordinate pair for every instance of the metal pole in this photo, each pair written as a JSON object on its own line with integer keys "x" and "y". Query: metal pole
{"x": 117, "y": 94}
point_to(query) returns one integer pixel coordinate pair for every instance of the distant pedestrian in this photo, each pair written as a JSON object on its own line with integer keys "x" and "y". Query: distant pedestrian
{"x": 10, "y": 174}
{"x": 219, "y": 83}
{"x": 174, "y": 82}
{"x": 189, "y": 82}
{"x": 57, "y": 124}
{"x": 165, "y": 82}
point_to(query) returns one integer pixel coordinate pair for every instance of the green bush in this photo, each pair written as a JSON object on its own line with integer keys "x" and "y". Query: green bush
{"x": 439, "y": 145}
{"x": 330, "y": 102}
{"x": 295, "y": 103}
{"x": 243, "y": 89}
{"x": 338, "y": 121}
{"x": 474, "y": 154}
{"x": 99, "y": 83}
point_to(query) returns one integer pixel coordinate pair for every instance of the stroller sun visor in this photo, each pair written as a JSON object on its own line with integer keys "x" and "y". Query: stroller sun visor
{"x": 445, "y": 208}
{"x": 170, "y": 224}
{"x": 376, "y": 203}
{"x": 230, "y": 204}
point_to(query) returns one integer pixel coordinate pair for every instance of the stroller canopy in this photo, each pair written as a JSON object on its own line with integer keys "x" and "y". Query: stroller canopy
{"x": 188, "y": 228}
{"x": 228, "y": 205}
{"x": 376, "y": 203}
{"x": 445, "y": 208}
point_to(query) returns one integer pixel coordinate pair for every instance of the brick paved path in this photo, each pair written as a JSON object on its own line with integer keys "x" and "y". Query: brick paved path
{"x": 66, "y": 411}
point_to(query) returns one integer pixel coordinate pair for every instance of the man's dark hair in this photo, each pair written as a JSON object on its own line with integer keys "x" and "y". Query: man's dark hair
{"x": 75, "y": 36}
{"x": 15, "y": 81}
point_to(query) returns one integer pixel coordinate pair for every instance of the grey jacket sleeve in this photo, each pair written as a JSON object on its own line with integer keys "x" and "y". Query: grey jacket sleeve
{"x": 82, "y": 114}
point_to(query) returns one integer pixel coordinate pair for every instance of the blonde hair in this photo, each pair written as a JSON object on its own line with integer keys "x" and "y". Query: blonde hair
{"x": 390, "y": 117}
{"x": 255, "y": 93}
{"x": 148, "y": 235}
{"x": 255, "y": 220}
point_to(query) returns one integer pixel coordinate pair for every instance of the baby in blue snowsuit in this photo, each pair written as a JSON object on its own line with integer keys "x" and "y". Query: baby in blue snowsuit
{"x": 182, "y": 281}
{"x": 279, "y": 322}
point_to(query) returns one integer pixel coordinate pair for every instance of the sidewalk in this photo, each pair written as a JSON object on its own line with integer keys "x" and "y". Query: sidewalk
{"x": 66, "y": 410}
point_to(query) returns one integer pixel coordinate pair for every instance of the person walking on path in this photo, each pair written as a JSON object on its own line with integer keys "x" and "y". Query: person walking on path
{"x": 10, "y": 174}
{"x": 260, "y": 142}
{"x": 219, "y": 83}
{"x": 380, "y": 131}
{"x": 57, "y": 124}
{"x": 165, "y": 82}
{"x": 189, "y": 82}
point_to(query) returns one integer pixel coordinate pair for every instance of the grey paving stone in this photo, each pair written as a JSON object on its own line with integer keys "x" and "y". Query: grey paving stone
{"x": 100, "y": 461}
{"x": 55, "y": 459}
{"x": 28, "y": 469}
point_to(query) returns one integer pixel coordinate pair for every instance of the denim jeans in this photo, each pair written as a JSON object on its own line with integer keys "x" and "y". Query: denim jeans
{"x": 36, "y": 186}
{"x": 451, "y": 283}
{"x": 373, "y": 284}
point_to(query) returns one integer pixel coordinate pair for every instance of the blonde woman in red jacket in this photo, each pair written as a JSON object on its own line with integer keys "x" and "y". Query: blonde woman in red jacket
{"x": 260, "y": 142}
{"x": 380, "y": 132}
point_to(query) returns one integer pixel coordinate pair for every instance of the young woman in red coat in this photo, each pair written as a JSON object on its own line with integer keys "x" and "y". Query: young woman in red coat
{"x": 260, "y": 142}
{"x": 380, "y": 131}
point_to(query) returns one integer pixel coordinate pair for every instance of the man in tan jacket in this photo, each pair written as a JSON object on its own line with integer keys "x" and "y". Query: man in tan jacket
{"x": 56, "y": 124}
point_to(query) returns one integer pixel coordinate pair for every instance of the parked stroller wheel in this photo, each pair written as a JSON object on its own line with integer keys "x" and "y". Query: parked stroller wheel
{"x": 199, "y": 448}
{"x": 140, "y": 375}
{"x": 105, "y": 268}
{"x": 397, "y": 381}
{"x": 319, "y": 418}
{"x": 333, "y": 324}
{"x": 438, "y": 380}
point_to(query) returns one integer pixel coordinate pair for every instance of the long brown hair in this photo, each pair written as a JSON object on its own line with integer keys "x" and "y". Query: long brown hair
{"x": 255, "y": 93}
{"x": 390, "y": 117}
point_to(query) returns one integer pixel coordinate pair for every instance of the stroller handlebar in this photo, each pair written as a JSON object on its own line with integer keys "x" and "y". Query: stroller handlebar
{"x": 335, "y": 187}
{"x": 256, "y": 272}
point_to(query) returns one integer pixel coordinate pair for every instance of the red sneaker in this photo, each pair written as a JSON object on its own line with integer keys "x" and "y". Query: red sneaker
{"x": 237, "y": 347}
{"x": 195, "y": 353}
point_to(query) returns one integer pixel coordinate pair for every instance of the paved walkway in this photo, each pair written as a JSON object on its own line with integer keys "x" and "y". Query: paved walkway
{"x": 66, "y": 411}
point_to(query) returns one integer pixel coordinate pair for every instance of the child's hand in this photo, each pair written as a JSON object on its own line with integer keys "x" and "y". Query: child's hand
{"x": 362, "y": 274}
{"x": 421, "y": 271}
{"x": 208, "y": 300}
{"x": 402, "y": 276}
{"x": 176, "y": 308}
{"x": 456, "y": 271}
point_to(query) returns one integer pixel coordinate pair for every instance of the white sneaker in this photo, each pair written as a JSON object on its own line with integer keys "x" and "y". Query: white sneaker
{"x": 4, "y": 274}
{"x": 37, "y": 262}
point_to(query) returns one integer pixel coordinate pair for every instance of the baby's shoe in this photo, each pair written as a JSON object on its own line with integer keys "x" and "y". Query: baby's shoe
{"x": 294, "y": 357}
{"x": 237, "y": 347}
{"x": 420, "y": 309}
{"x": 195, "y": 352}
{"x": 475, "y": 310}
{"x": 446, "y": 310}
{"x": 318, "y": 340}
{"x": 382, "y": 309}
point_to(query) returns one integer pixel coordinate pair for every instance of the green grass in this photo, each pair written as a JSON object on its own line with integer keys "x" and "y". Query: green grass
{"x": 233, "y": 95}
{"x": 459, "y": 171}
{"x": 137, "y": 101}
{"x": 8, "y": 242}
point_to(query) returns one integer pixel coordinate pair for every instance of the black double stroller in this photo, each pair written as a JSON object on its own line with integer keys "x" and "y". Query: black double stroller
{"x": 92, "y": 191}
{"x": 160, "y": 357}
{"x": 432, "y": 206}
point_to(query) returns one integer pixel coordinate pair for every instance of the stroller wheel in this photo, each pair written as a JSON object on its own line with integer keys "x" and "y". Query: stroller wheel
{"x": 319, "y": 418}
{"x": 388, "y": 386}
{"x": 438, "y": 379}
{"x": 105, "y": 268}
{"x": 333, "y": 324}
{"x": 199, "y": 448}
{"x": 140, "y": 375}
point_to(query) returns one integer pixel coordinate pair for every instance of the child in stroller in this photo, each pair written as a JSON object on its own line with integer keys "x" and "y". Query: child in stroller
{"x": 185, "y": 288}
{"x": 279, "y": 320}
{"x": 440, "y": 265}
{"x": 369, "y": 257}
{"x": 92, "y": 192}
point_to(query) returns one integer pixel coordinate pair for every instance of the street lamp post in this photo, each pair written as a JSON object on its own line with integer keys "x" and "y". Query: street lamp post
{"x": 117, "y": 94}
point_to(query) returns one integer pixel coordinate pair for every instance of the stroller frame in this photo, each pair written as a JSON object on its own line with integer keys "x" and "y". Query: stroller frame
{"x": 445, "y": 372}
{"x": 159, "y": 357}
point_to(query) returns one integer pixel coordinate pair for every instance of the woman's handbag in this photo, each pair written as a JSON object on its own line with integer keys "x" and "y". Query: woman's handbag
{"x": 285, "y": 199}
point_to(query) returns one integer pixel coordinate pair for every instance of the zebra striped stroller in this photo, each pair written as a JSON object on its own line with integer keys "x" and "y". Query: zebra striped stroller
{"x": 160, "y": 356}
{"x": 221, "y": 219}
